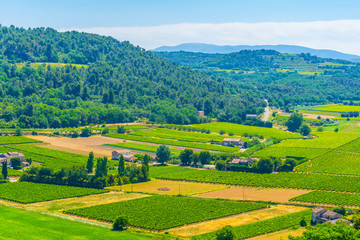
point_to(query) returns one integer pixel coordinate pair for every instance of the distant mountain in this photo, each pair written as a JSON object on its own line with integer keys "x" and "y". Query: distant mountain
{"x": 292, "y": 49}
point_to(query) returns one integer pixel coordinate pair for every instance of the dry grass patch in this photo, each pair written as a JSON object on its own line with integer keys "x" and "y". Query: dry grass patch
{"x": 166, "y": 187}
{"x": 280, "y": 234}
{"x": 87, "y": 201}
{"x": 80, "y": 145}
{"x": 235, "y": 220}
{"x": 255, "y": 194}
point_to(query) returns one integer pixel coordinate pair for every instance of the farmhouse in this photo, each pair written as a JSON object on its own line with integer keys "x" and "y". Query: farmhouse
{"x": 321, "y": 215}
{"x": 126, "y": 153}
{"x": 241, "y": 161}
{"x": 237, "y": 142}
{"x": 8, "y": 156}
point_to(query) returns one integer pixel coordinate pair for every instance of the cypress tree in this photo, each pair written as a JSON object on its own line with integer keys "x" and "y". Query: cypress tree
{"x": 4, "y": 169}
{"x": 121, "y": 169}
{"x": 90, "y": 163}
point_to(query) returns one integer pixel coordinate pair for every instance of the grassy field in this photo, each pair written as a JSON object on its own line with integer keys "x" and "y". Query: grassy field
{"x": 203, "y": 146}
{"x": 238, "y": 129}
{"x": 344, "y": 199}
{"x": 277, "y": 180}
{"x": 263, "y": 227}
{"x": 84, "y": 201}
{"x": 142, "y": 147}
{"x": 36, "y": 226}
{"x": 255, "y": 194}
{"x": 169, "y": 187}
{"x": 283, "y": 152}
{"x": 164, "y": 212}
{"x": 25, "y": 192}
{"x": 337, "y": 162}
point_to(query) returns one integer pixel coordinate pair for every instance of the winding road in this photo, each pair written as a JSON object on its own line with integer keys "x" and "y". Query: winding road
{"x": 267, "y": 111}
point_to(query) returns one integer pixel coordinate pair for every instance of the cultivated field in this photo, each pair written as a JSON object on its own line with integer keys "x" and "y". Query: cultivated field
{"x": 343, "y": 199}
{"x": 238, "y": 129}
{"x": 337, "y": 162}
{"x": 236, "y": 220}
{"x": 36, "y": 226}
{"x": 6, "y": 140}
{"x": 277, "y": 180}
{"x": 142, "y": 147}
{"x": 328, "y": 140}
{"x": 337, "y": 108}
{"x": 283, "y": 234}
{"x": 25, "y": 192}
{"x": 170, "y": 142}
{"x": 263, "y": 227}
{"x": 164, "y": 212}
{"x": 255, "y": 194}
{"x": 165, "y": 187}
{"x": 282, "y": 152}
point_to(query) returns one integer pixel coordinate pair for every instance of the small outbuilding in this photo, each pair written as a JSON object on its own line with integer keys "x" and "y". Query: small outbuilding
{"x": 126, "y": 153}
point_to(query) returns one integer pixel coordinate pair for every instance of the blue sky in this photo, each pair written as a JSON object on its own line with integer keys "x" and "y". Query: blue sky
{"x": 153, "y": 23}
{"x": 118, "y": 13}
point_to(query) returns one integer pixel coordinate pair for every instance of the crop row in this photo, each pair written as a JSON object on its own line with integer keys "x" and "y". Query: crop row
{"x": 337, "y": 162}
{"x": 263, "y": 227}
{"x": 238, "y": 129}
{"x": 291, "y": 152}
{"x": 180, "y": 135}
{"x": 163, "y": 212}
{"x": 204, "y": 146}
{"x": 282, "y": 179}
{"x": 25, "y": 192}
{"x": 347, "y": 199}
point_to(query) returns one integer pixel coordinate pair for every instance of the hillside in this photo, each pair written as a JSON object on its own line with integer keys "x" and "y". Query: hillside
{"x": 110, "y": 82}
{"x": 290, "y": 49}
{"x": 286, "y": 80}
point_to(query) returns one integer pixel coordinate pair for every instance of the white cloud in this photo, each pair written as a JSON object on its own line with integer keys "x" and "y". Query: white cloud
{"x": 340, "y": 35}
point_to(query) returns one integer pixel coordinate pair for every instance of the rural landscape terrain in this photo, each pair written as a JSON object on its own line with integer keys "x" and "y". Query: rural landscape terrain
{"x": 101, "y": 139}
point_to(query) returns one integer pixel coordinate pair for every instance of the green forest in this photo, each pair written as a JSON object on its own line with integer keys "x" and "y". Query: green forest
{"x": 286, "y": 80}
{"x": 94, "y": 79}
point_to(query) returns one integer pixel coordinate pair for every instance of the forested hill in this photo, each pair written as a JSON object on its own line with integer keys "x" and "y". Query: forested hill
{"x": 254, "y": 60}
{"x": 112, "y": 82}
{"x": 286, "y": 80}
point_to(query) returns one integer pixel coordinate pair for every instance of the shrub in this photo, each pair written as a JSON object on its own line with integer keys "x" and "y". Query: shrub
{"x": 120, "y": 223}
{"x": 226, "y": 233}
{"x": 303, "y": 223}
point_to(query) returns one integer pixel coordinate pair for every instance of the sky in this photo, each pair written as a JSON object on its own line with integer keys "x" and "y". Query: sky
{"x": 321, "y": 24}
